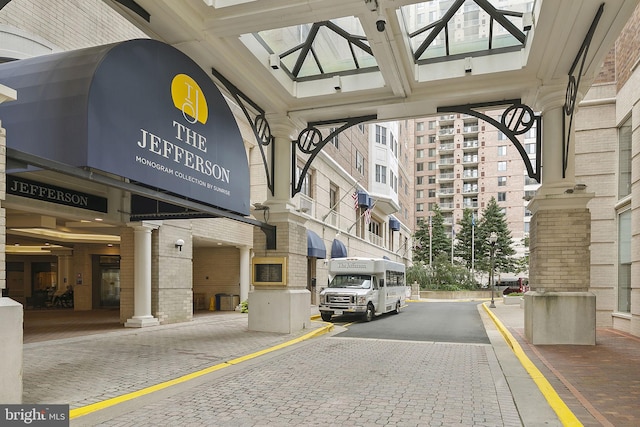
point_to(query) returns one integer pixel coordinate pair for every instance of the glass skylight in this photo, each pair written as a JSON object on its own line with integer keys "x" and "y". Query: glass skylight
{"x": 320, "y": 49}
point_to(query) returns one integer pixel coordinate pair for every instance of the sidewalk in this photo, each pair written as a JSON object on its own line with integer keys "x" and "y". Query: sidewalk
{"x": 600, "y": 384}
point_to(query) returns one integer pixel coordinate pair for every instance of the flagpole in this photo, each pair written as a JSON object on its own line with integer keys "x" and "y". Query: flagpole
{"x": 453, "y": 237}
{"x": 473, "y": 244}
{"x": 430, "y": 242}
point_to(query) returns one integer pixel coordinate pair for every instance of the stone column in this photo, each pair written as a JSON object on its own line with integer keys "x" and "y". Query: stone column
{"x": 142, "y": 276}
{"x": 276, "y": 308}
{"x": 559, "y": 309}
{"x": 245, "y": 270}
{"x": 11, "y": 312}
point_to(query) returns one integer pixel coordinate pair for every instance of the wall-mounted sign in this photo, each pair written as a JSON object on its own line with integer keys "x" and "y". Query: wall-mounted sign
{"x": 51, "y": 193}
{"x": 269, "y": 271}
{"x": 140, "y": 109}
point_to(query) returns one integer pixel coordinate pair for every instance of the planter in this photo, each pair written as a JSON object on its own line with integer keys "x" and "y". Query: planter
{"x": 507, "y": 300}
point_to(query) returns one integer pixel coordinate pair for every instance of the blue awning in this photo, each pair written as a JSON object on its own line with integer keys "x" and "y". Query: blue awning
{"x": 315, "y": 246}
{"x": 338, "y": 249}
{"x": 394, "y": 224}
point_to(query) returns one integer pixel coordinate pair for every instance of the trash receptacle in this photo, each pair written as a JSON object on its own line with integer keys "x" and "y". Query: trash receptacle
{"x": 229, "y": 302}
{"x": 218, "y": 301}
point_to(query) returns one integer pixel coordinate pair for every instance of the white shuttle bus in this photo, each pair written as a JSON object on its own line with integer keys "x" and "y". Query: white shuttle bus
{"x": 363, "y": 286}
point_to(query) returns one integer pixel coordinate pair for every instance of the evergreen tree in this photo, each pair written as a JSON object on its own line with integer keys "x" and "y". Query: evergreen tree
{"x": 493, "y": 220}
{"x": 439, "y": 240}
{"x": 464, "y": 236}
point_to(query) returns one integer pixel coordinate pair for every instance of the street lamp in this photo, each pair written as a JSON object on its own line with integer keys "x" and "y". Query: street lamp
{"x": 493, "y": 238}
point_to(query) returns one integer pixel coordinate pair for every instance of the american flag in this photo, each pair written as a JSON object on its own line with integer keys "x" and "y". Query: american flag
{"x": 367, "y": 216}
{"x": 355, "y": 200}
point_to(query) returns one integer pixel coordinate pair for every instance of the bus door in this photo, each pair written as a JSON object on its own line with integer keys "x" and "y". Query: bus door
{"x": 381, "y": 306}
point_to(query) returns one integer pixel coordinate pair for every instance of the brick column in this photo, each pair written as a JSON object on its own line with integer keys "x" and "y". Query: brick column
{"x": 278, "y": 309}
{"x": 559, "y": 309}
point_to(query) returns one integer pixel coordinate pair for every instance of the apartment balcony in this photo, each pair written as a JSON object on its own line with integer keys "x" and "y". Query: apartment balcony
{"x": 375, "y": 239}
{"x": 470, "y": 191}
{"x": 450, "y": 146}
{"x": 446, "y": 207}
{"x": 470, "y": 205}
{"x": 444, "y": 177}
{"x": 470, "y": 129}
{"x": 448, "y": 118}
{"x": 446, "y": 132}
{"x": 445, "y": 192}
{"x": 446, "y": 162}
{"x": 470, "y": 174}
{"x": 470, "y": 145}
{"x": 470, "y": 160}
{"x": 448, "y": 221}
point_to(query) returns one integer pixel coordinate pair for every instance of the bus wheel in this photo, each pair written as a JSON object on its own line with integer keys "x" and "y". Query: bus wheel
{"x": 368, "y": 315}
{"x": 326, "y": 316}
{"x": 397, "y": 310}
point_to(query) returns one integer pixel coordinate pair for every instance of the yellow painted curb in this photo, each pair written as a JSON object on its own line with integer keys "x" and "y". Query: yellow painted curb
{"x": 85, "y": 410}
{"x": 567, "y": 418}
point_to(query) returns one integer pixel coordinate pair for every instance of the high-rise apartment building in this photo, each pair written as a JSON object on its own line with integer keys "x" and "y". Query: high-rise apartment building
{"x": 461, "y": 162}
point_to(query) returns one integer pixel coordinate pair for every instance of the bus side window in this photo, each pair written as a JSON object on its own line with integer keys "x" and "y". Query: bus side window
{"x": 382, "y": 283}
{"x": 375, "y": 283}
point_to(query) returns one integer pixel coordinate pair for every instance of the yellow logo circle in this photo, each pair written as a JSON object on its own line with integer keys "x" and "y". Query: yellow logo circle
{"x": 188, "y": 98}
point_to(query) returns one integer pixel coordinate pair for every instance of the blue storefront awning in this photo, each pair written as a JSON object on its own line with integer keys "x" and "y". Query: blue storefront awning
{"x": 338, "y": 249}
{"x": 315, "y": 246}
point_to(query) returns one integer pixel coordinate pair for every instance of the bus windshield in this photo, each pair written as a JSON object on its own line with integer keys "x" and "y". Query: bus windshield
{"x": 359, "y": 281}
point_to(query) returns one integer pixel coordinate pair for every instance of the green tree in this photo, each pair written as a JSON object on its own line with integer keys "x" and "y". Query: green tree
{"x": 493, "y": 220}
{"x": 438, "y": 241}
{"x": 465, "y": 237}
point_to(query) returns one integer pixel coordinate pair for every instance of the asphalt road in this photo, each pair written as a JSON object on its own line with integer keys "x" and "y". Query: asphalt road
{"x": 452, "y": 322}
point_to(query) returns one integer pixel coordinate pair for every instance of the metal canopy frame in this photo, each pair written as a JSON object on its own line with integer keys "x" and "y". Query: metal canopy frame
{"x": 193, "y": 208}
{"x": 310, "y": 141}
{"x": 516, "y": 120}
{"x": 259, "y": 126}
{"x": 572, "y": 90}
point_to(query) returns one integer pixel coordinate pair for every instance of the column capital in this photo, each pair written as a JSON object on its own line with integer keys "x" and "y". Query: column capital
{"x": 145, "y": 225}
{"x": 282, "y": 126}
{"x": 555, "y": 201}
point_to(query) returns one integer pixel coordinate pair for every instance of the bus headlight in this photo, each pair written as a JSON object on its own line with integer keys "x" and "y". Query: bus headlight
{"x": 361, "y": 300}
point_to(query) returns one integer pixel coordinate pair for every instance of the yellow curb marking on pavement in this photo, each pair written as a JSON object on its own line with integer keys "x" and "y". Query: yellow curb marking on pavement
{"x": 85, "y": 410}
{"x": 567, "y": 418}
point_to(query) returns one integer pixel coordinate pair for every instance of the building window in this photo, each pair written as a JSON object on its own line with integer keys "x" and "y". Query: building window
{"x": 432, "y": 139}
{"x": 526, "y": 227}
{"x": 419, "y": 180}
{"x": 432, "y": 125}
{"x": 432, "y": 179}
{"x": 420, "y": 140}
{"x": 502, "y": 166}
{"x": 381, "y": 135}
{"x": 393, "y": 181}
{"x": 419, "y": 126}
{"x": 419, "y": 154}
{"x": 624, "y": 261}
{"x": 432, "y": 152}
{"x": 419, "y": 194}
{"x": 359, "y": 162}
{"x": 501, "y": 136}
{"x": 381, "y": 174}
{"x": 419, "y": 207}
{"x": 530, "y": 148}
{"x": 432, "y": 193}
{"x": 334, "y": 138}
{"x": 624, "y": 143}
{"x": 502, "y": 181}
{"x": 306, "y": 183}
{"x": 394, "y": 145}
{"x": 432, "y": 166}
{"x": 419, "y": 167}
{"x": 502, "y": 196}
{"x": 502, "y": 150}
{"x": 361, "y": 127}
{"x": 333, "y": 197}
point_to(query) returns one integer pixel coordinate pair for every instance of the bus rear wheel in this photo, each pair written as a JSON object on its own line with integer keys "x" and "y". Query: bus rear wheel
{"x": 397, "y": 310}
{"x": 326, "y": 316}
{"x": 368, "y": 315}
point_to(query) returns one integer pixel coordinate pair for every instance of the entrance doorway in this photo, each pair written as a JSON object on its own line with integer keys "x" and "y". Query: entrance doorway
{"x": 106, "y": 281}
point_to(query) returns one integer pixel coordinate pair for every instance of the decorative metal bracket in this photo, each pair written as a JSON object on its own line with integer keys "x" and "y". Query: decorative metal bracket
{"x": 516, "y": 120}
{"x": 572, "y": 90}
{"x": 310, "y": 141}
{"x": 259, "y": 125}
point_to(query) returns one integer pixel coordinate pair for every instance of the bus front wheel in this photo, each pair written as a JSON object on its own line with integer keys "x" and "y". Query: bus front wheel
{"x": 368, "y": 315}
{"x": 326, "y": 316}
{"x": 397, "y": 310}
